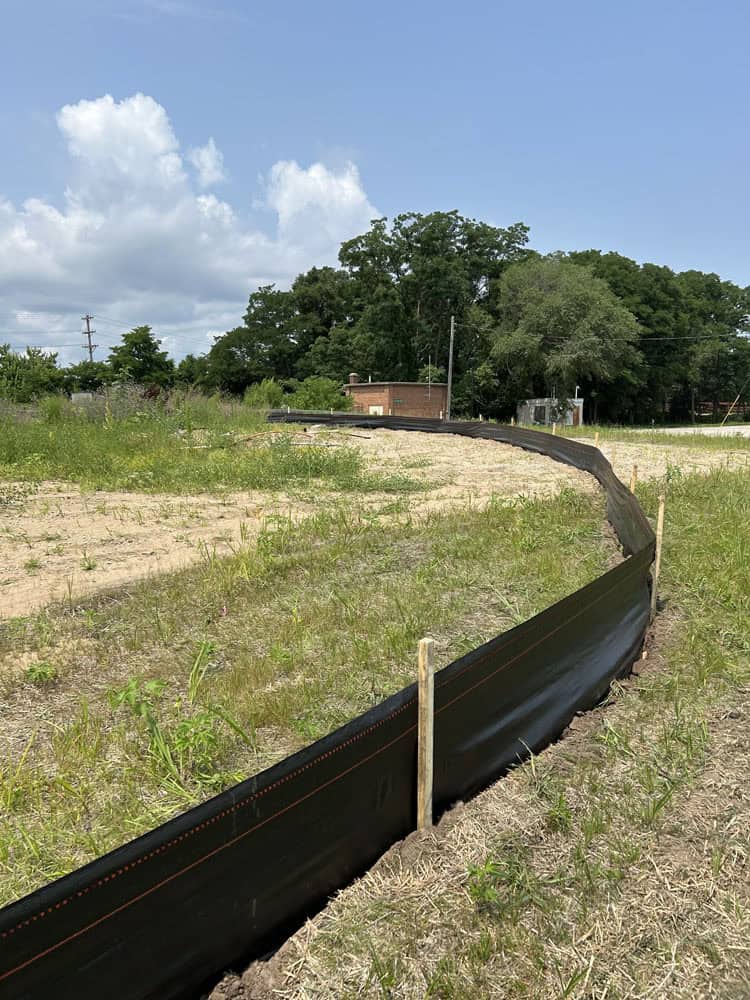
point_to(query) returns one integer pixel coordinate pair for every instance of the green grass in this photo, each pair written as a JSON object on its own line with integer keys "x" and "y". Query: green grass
{"x": 192, "y": 447}
{"x": 615, "y": 863}
{"x": 167, "y": 694}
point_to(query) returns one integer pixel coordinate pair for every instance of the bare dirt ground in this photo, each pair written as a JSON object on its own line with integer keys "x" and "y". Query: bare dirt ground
{"x": 729, "y": 430}
{"x": 656, "y": 460}
{"x": 57, "y": 543}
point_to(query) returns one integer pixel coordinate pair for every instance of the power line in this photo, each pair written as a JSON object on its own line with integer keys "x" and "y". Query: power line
{"x": 115, "y": 322}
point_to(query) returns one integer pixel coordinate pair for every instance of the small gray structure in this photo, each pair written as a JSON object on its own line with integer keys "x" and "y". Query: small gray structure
{"x": 546, "y": 410}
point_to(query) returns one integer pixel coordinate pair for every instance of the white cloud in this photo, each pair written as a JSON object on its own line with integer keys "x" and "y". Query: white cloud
{"x": 316, "y": 201}
{"x": 209, "y": 163}
{"x": 135, "y": 239}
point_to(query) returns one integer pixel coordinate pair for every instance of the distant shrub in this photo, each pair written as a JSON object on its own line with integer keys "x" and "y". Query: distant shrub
{"x": 265, "y": 395}
{"x": 316, "y": 393}
{"x": 55, "y": 409}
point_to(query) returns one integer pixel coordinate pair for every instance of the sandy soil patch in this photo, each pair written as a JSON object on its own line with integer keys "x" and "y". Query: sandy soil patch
{"x": 656, "y": 460}
{"x": 58, "y": 544}
{"x": 462, "y": 470}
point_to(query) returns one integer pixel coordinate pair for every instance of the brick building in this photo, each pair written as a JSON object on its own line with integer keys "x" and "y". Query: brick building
{"x": 397, "y": 399}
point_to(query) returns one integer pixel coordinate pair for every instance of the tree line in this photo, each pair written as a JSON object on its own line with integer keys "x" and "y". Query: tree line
{"x": 640, "y": 341}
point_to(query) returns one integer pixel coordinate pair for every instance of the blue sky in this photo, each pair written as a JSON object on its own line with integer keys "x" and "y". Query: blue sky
{"x": 599, "y": 125}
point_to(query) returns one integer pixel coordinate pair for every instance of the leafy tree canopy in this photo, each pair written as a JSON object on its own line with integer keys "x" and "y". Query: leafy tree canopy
{"x": 139, "y": 359}
{"x": 26, "y": 376}
{"x": 640, "y": 341}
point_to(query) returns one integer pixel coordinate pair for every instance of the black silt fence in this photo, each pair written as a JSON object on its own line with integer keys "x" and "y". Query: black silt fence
{"x": 164, "y": 915}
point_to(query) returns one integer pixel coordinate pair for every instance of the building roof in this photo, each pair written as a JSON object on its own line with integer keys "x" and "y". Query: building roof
{"x": 363, "y": 385}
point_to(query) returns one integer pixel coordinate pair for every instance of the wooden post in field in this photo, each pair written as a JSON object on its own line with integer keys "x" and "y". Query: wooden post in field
{"x": 596, "y": 439}
{"x": 634, "y": 479}
{"x": 512, "y": 421}
{"x": 657, "y": 560}
{"x": 554, "y": 427}
{"x": 425, "y": 731}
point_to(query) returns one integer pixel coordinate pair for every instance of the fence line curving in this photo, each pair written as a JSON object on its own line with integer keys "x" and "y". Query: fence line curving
{"x": 166, "y": 914}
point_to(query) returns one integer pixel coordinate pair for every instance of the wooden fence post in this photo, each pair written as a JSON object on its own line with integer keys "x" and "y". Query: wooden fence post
{"x": 596, "y": 439}
{"x": 634, "y": 479}
{"x": 657, "y": 560}
{"x": 554, "y": 427}
{"x": 425, "y": 732}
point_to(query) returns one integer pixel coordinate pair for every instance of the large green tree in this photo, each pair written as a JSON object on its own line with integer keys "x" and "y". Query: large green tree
{"x": 88, "y": 376}
{"x": 638, "y": 339}
{"x": 140, "y": 359}
{"x": 415, "y": 274}
{"x": 559, "y": 326}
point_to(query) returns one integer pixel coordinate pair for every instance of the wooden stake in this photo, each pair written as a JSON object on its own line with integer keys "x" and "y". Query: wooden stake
{"x": 554, "y": 427}
{"x": 425, "y": 731}
{"x": 634, "y": 479}
{"x": 596, "y": 439}
{"x": 512, "y": 421}
{"x": 657, "y": 561}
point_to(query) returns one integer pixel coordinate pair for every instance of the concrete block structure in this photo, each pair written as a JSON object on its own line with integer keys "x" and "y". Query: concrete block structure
{"x": 404, "y": 399}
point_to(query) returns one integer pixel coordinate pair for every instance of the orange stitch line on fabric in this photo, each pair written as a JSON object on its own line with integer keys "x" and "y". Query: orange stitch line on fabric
{"x": 329, "y": 753}
{"x": 205, "y": 857}
{"x": 341, "y": 746}
{"x": 526, "y": 649}
{"x": 238, "y": 805}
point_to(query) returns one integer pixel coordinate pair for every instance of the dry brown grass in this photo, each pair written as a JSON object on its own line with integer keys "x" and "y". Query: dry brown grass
{"x": 611, "y": 903}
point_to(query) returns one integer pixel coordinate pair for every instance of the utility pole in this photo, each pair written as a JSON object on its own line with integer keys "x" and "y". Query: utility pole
{"x": 450, "y": 371}
{"x": 87, "y": 333}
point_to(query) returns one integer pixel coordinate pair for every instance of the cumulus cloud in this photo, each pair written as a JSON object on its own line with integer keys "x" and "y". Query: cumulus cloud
{"x": 316, "y": 203}
{"x": 136, "y": 238}
{"x": 209, "y": 163}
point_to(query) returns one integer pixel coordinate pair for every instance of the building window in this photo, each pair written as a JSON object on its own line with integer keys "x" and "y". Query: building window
{"x": 375, "y": 411}
{"x": 540, "y": 414}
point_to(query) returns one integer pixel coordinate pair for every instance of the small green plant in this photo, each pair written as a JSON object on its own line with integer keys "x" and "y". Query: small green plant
{"x": 505, "y": 886}
{"x": 195, "y": 742}
{"x": 88, "y": 563}
{"x": 199, "y": 668}
{"x": 31, "y": 565}
{"x": 673, "y": 473}
{"x": 141, "y": 697}
{"x": 41, "y": 672}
